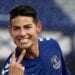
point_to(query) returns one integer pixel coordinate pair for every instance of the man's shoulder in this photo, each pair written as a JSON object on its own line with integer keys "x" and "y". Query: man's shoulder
{"x": 49, "y": 44}
{"x": 47, "y": 40}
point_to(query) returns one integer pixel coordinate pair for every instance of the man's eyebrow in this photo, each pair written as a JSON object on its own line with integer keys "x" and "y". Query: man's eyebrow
{"x": 15, "y": 26}
{"x": 27, "y": 24}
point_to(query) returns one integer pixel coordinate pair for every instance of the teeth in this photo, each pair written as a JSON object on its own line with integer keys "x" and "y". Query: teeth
{"x": 24, "y": 40}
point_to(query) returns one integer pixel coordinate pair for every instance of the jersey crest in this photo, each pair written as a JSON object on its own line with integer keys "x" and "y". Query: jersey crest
{"x": 56, "y": 62}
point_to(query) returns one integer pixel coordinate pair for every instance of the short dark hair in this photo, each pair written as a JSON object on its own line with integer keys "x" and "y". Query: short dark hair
{"x": 24, "y": 10}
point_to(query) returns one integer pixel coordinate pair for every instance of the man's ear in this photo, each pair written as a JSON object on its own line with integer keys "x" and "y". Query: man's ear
{"x": 10, "y": 30}
{"x": 39, "y": 26}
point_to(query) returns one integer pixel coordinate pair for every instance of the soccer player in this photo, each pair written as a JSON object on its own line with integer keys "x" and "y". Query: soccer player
{"x": 33, "y": 55}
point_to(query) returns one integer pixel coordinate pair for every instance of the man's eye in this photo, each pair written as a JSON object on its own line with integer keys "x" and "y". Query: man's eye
{"x": 15, "y": 28}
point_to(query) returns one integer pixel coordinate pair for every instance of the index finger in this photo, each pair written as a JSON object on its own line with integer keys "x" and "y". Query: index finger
{"x": 21, "y": 56}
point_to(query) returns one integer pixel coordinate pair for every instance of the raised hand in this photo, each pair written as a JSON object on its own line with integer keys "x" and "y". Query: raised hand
{"x": 15, "y": 67}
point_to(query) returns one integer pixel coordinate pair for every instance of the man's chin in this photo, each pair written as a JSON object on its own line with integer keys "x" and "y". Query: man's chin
{"x": 26, "y": 47}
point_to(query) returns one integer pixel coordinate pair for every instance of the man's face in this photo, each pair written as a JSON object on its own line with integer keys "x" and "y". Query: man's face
{"x": 24, "y": 31}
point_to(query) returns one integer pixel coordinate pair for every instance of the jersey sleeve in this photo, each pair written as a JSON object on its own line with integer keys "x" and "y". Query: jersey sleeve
{"x": 5, "y": 68}
{"x": 65, "y": 69}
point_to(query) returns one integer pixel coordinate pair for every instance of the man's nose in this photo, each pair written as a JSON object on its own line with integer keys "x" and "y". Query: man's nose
{"x": 22, "y": 32}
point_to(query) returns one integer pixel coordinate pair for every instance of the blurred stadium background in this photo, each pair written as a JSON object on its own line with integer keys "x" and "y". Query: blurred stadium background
{"x": 58, "y": 18}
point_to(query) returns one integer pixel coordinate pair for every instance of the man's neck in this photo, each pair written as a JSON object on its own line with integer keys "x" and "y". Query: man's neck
{"x": 32, "y": 52}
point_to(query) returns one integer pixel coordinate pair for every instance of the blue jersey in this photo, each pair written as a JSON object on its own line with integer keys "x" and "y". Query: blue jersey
{"x": 49, "y": 62}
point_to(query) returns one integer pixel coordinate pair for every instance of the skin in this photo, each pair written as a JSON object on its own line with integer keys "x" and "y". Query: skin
{"x": 25, "y": 33}
{"x": 15, "y": 67}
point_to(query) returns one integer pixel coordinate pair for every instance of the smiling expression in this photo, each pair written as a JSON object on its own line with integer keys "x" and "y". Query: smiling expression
{"x": 24, "y": 31}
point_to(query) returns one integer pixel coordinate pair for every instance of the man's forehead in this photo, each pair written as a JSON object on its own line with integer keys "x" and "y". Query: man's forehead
{"x": 25, "y": 25}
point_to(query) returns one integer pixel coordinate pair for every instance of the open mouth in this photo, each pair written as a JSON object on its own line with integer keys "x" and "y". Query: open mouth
{"x": 24, "y": 40}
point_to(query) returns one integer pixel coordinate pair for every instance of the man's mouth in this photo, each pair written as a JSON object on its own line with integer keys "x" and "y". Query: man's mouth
{"x": 24, "y": 40}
